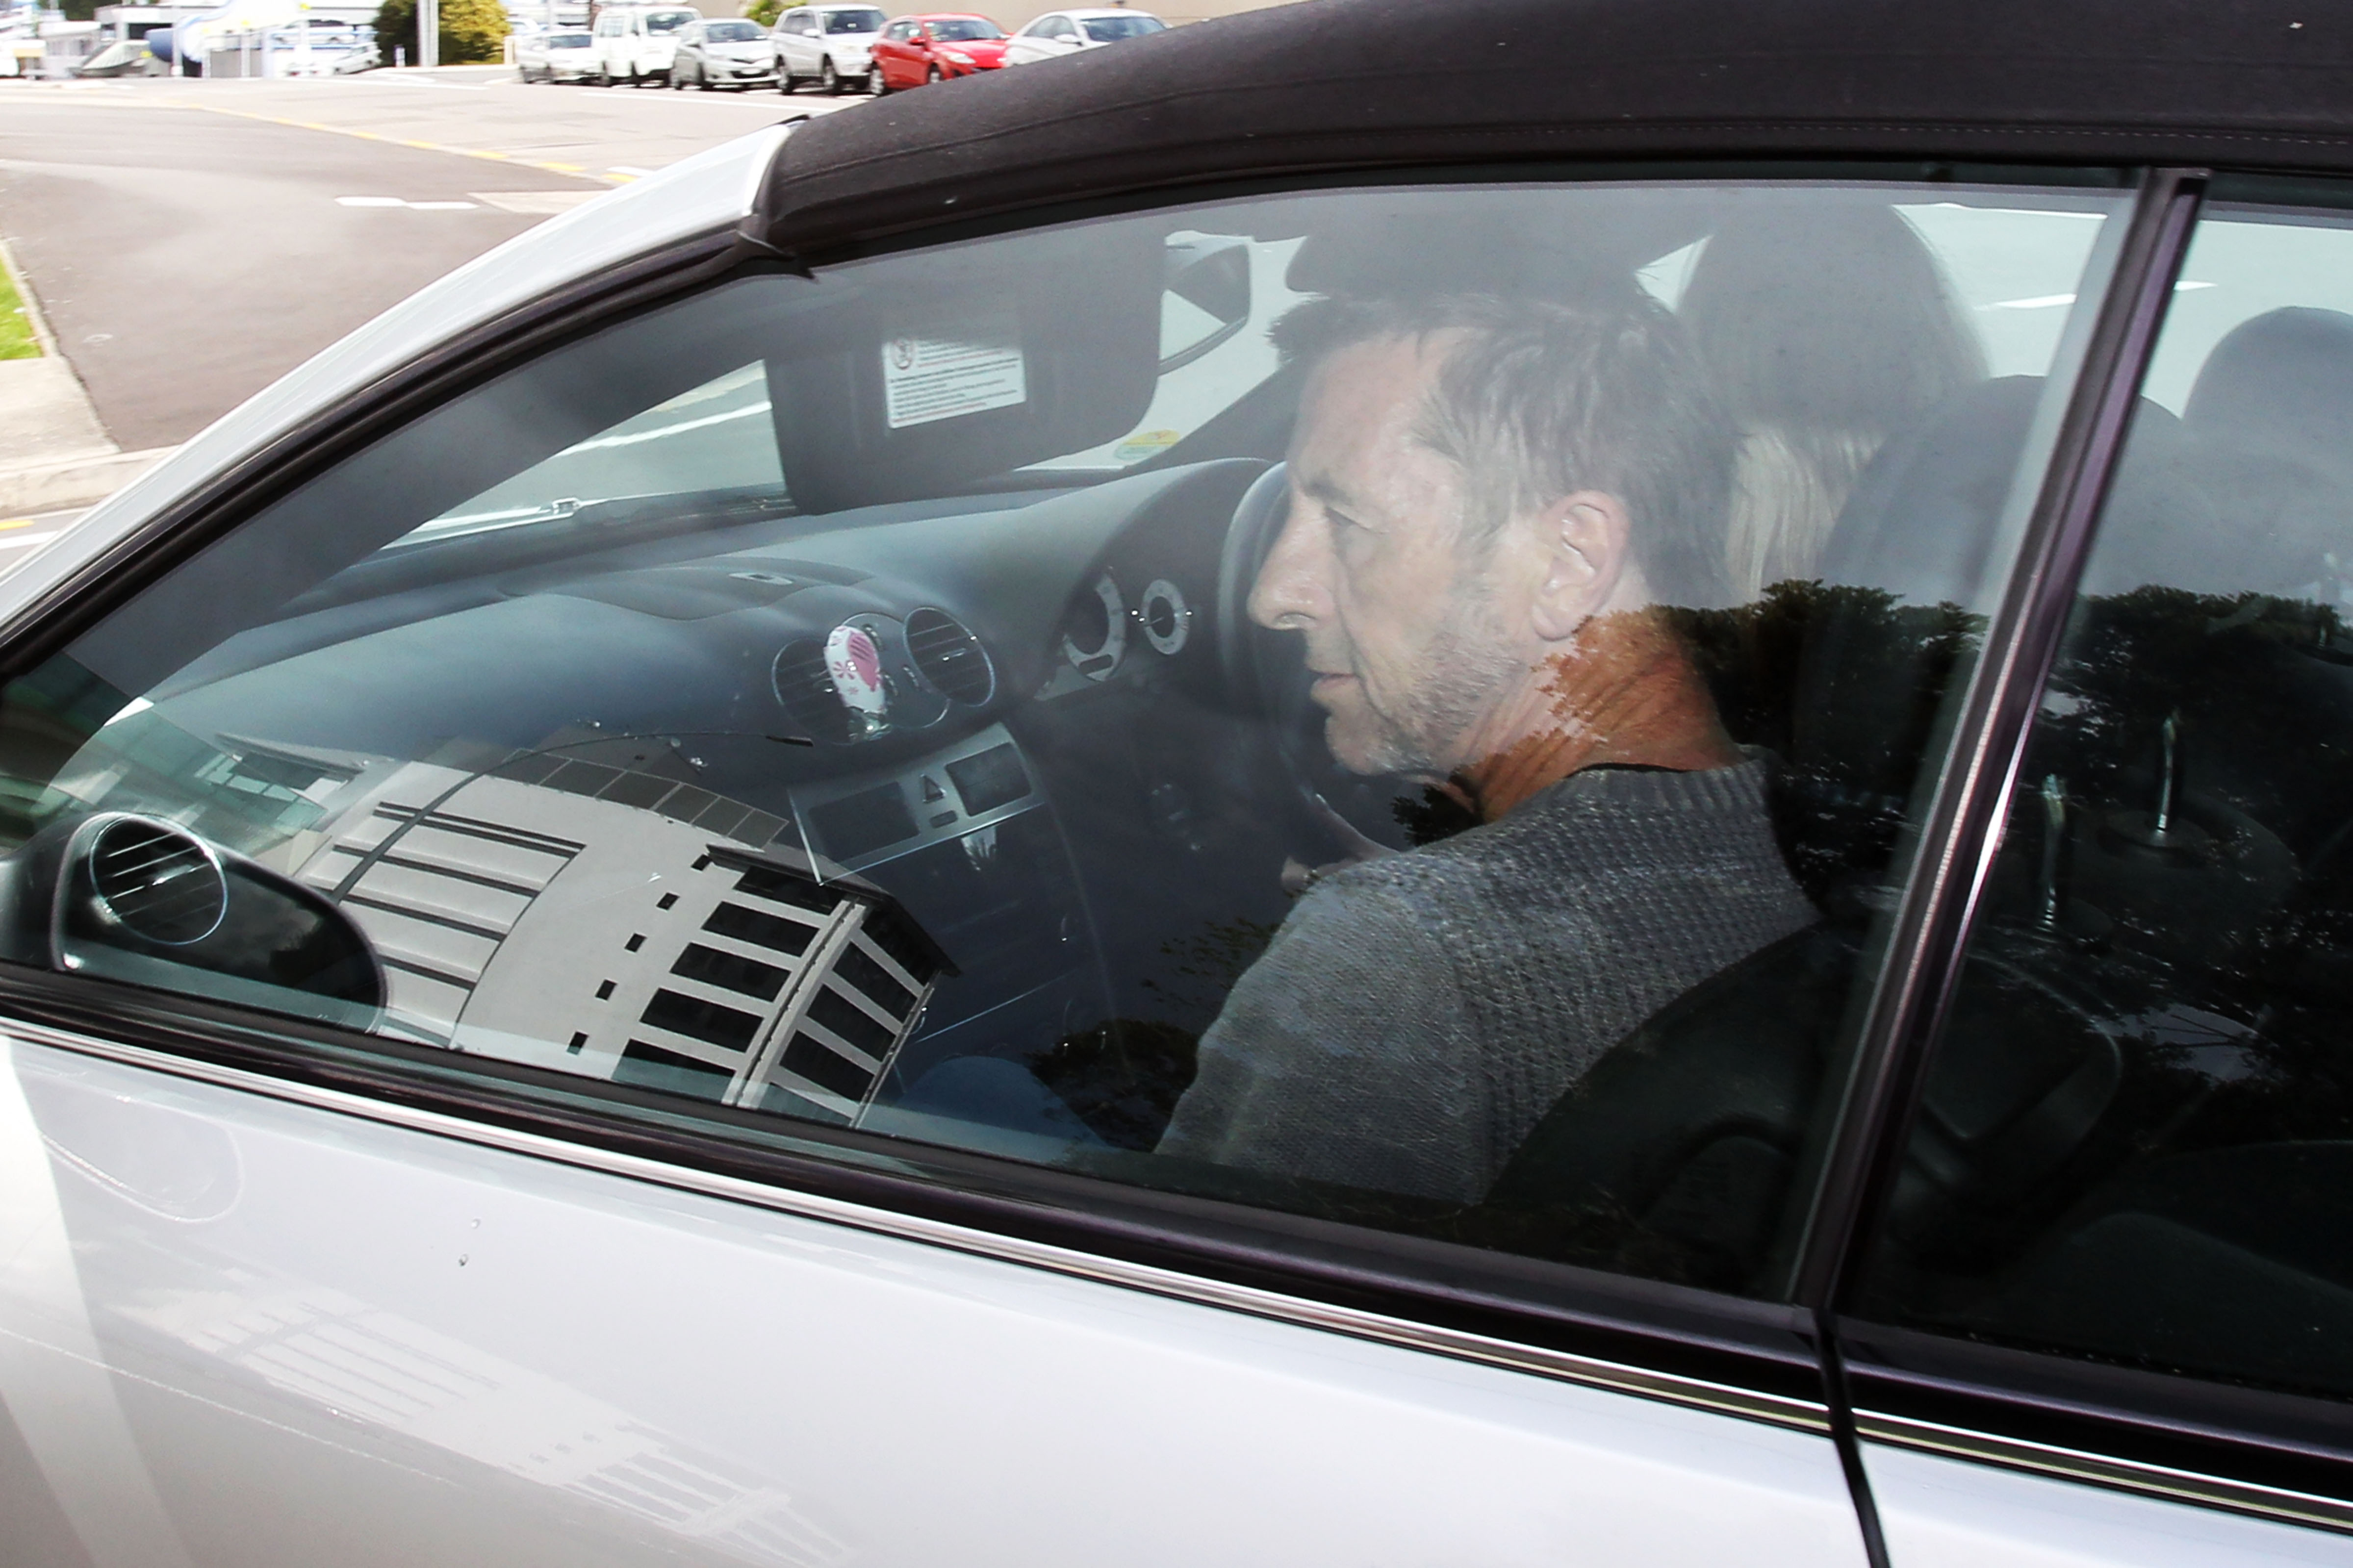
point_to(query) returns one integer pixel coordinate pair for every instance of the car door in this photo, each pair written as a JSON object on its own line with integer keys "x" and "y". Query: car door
{"x": 612, "y": 57}
{"x": 601, "y": 963}
{"x": 891, "y": 54}
{"x": 2102, "y": 1317}
{"x": 797, "y": 43}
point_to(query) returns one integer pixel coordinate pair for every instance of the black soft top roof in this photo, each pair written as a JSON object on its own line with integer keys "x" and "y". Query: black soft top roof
{"x": 1360, "y": 85}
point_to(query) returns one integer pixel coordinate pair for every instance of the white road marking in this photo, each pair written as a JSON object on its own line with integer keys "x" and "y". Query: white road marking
{"x": 535, "y": 202}
{"x": 403, "y": 202}
{"x": 2039, "y": 302}
{"x": 631, "y": 170}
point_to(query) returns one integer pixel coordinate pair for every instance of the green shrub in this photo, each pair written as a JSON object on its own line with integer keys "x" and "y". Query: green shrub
{"x": 471, "y": 30}
{"x": 764, "y": 12}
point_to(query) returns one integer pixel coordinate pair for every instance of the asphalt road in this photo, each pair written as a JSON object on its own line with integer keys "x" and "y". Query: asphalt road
{"x": 189, "y": 246}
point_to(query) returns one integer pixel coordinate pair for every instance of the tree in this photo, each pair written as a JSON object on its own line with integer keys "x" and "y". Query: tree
{"x": 764, "y": 12}
{"x": 470, "y": 31}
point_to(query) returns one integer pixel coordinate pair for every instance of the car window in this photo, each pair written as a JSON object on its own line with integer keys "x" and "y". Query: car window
{"x": 963, "y": 29}
{"x": 852, "y": 21}
{"x": 731, "y": 32}
{"x": 658, "y": 22}
{"x": 2135, "y": 1140}
{"x": 1110, "y": 30}
{"x": 1437, "y": 769}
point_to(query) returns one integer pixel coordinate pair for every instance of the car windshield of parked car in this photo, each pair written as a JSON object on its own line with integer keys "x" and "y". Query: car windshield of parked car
{"x": 1402, "y": 705}
{"x": 1110, "y": 30}
{"x": 853, "y": 21}
{"x": 732, "y": 33}
{"x": 964, "y": 30}
{"x": 667, "y": 21}
{"x": 570, "y": 41}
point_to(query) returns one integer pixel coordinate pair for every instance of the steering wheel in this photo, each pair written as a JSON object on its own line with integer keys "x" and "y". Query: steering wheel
{"x": 1268, "y": 684}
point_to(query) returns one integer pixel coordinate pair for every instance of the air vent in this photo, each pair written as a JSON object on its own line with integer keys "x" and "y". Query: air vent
{"x": 950, "y": 657}
{"x": 158, "y": 882}
{"x": 806, "y": 691}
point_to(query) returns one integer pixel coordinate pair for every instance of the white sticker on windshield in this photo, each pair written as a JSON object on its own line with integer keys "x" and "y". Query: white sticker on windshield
{"x": 925, "y": 379}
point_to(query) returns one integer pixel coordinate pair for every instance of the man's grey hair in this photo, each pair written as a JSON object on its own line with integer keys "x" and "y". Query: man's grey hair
{"x": 1543, "y": 398}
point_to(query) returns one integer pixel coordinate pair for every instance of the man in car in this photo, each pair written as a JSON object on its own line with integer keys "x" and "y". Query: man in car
{"x": 1491, "y": 503}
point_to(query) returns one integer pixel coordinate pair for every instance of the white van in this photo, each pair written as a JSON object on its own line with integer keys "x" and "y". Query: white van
{"x": 634, "y": 43}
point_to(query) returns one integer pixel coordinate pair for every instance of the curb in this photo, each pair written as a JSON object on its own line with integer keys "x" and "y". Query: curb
{"x": 72, "y": 482}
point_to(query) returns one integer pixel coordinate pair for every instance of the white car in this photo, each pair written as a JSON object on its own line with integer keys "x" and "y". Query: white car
{"x": 1275, "y": 806}
{"x": 635, "y": 42}
{"x": 1059, "y": 32}
{"x": 832, "y": 46}
{"x": 561, "y": 55}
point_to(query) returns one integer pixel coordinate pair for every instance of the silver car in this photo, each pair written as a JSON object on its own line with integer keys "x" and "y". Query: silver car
{"x": 565, "y": 56}
{"x": 722, "y": 52}
{"x": 829, "y": 45}
{"x": 1059, "y": 32}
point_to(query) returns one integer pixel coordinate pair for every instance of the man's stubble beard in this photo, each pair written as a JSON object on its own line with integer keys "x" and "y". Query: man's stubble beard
{"x": 1461, "y": 675}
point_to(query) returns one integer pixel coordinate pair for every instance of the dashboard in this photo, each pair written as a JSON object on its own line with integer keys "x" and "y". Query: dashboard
{"x": 1007, "y": 715}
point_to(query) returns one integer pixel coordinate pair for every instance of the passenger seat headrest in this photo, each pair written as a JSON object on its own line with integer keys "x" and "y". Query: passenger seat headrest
{"x": 2281, "y": 385}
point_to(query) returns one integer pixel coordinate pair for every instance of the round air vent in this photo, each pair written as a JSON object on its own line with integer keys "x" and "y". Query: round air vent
{"x": 947, "y": 655}
{"x": 158, "y": 882}
{"x": 807, "y": 693}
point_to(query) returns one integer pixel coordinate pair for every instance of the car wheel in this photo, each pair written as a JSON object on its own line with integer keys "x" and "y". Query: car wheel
{"x": 603, "y": 77}
{"x": 932, "y": 75}
{"x": 702, "y": 80}
{"x": 875, "y": 85}
{"x": 828, "y": 81}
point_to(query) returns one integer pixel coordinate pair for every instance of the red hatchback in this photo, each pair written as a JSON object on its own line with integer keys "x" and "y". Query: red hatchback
{"x": 913, "y": 50}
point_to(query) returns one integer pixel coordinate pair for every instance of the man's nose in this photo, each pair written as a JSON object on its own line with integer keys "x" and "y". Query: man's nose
{"x": 1290, "y": 593}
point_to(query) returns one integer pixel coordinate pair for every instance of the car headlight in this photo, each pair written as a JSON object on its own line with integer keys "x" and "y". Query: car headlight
{"x": 956, "y": 55}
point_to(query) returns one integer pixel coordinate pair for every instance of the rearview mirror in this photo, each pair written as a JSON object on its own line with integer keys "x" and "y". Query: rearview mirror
{"x": 1206, "y": 297}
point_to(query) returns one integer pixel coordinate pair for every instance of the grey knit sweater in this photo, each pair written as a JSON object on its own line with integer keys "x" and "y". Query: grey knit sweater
{"x": 1416, "y": 1014}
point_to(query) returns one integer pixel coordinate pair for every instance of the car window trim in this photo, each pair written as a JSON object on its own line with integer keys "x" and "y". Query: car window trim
{"x": 1920, "y": 955}
{"x": 2254, "y": 1451}
{"x": 2152, "y": 1434}
{"x": 1272, "y": 1282}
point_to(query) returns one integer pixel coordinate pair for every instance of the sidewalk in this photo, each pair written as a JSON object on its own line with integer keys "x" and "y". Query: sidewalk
{"x": 54, "y": 454}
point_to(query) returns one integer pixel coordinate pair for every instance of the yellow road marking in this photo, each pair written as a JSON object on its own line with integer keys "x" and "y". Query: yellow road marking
{"x": 571, "y": 169}
{"x": 18, "y": 522}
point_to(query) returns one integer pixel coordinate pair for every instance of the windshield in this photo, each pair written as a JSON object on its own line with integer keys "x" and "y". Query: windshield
{"x": 964, "y": 30}
{"x": 1110, "y": 30}
{"x": 667, "y": 21}
{"x": 732, "y": 33}
{"x": 569, "y": 41}
{"x": 853, "y": 21}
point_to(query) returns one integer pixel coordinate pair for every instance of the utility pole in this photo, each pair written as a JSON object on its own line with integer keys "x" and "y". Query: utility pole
{"x": 428, "y": 34}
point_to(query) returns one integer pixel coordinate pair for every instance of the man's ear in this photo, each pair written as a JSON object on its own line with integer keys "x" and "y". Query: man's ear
{"x": 1584, "y": 542}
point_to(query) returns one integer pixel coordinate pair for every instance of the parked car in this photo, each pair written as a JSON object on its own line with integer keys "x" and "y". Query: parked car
{"x": 563, "y": 55}
{"x": 722, "y": 52}
{"x": 913, "y": 50}
{"x": 1445, "y": 801}
{"x": 634, "y": 43}
{"x": 1067, "y": 32}
{"x": 829, "y": 45}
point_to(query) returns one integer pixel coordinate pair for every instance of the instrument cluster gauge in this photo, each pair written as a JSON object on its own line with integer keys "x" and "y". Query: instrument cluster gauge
{"x": 1167, "y": 618}
{"x": 1096, "y": 639}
